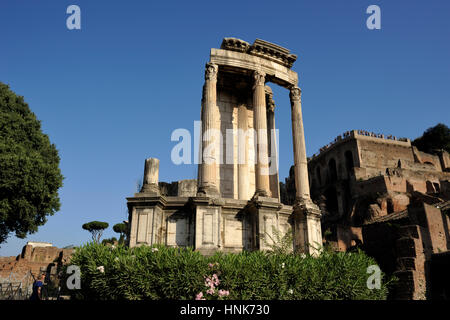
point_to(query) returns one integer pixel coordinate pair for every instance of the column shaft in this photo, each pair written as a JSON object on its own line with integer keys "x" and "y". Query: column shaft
{"x": 300, "y": 162}
{"x": 274, "y": 179}
{"x": 242, "y": 154}
{"x": 208, "y": 170}
{"x": 151, "y": 177}
{"x": 260, "y": 126}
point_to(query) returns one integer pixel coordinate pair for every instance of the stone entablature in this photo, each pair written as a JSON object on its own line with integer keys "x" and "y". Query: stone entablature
{"x": 244, "y": 63}
{"x": 261, "y": 48}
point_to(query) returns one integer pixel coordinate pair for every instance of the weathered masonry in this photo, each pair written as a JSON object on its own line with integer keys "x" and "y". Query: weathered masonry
{"x": 235, "y": 203}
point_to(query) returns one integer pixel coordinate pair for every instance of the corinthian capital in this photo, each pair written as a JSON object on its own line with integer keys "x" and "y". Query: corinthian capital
{"x": 295, "y": 94}
{"x": 211, "y": 70}
{"x": 259, "y": 77}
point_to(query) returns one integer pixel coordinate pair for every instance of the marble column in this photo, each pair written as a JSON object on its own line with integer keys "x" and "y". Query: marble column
{"x": 208, "y": 170}
{"x": 307, "y": 228}
{"x": 262, "y": 185}
{"x": 272, "y": 140}
{"x": 300, "y": 162}
{"x": 151, "y": 176}
{"x": 243, "y": 179}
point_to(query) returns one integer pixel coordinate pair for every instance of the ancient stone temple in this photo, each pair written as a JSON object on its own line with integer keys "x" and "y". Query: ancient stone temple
{"x": 235, "y": 204}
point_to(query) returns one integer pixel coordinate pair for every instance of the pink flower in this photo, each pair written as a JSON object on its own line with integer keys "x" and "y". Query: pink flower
{"x": 223, "y": 293}
{"x": 199, "y": 296}
{"x": 215, "y": 279}
{"x": 210, "y": 291}
{"x": 209, "y": 283}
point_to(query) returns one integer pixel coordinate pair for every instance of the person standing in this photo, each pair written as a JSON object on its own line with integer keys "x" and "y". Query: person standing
{"x": 37, "y": 288}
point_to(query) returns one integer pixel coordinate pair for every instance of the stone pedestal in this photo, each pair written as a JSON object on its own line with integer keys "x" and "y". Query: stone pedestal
{"x": 207, "y": 212}
{"x": 147, "y": 220}
{"x": 263, "y": 220}
{"x": 307, "y": 228}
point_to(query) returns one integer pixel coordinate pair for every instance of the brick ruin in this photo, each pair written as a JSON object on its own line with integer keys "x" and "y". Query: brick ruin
{"x": 36, "y": 258}
{"x": 385, "y": 196}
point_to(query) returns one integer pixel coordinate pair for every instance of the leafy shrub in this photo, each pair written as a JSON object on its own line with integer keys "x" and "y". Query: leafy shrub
{"x": 111, "y": 241}
{"x": 280, "y": 242}
{"x": 159, "y": 272}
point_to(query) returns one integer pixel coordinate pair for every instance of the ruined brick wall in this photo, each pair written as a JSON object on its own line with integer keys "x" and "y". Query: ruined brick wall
{"x": 40, "y": 254}
{"x": 444, "y": 158}
{"x": 348, "y": 237}
{"x": 34, "y": 260}
{"x": 320, "y": 167}
{"x": 432, "y": 161}
{"x": 440, "y": 281}
{"x": 436, "y": 226}
{"x": 445, "y": 188}
{"x": 405, "y": 247}
{"x": 379, "y": 242}
{"x": 398, "y": 197}
{"x": 411, "y": 264}
{"x": 378, "y": 154}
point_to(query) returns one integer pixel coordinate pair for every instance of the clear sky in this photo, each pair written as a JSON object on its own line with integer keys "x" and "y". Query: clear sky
{"x": 110, "y": 95}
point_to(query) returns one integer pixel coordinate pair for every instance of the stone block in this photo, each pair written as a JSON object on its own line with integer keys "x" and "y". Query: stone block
{"x": 187, "y": 188}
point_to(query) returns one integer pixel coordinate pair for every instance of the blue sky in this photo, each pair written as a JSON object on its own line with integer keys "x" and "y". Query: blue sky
{"x": 110, "y": 95}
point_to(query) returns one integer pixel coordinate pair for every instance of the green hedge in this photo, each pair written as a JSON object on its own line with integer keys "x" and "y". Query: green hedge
{"x": 110, "y": 273}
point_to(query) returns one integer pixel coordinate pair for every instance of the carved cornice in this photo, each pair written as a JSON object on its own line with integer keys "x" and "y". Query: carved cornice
{"x": 261, "y": 48}
{"x": 234, "y": 44}
{"x": 272, "y": 52}
{"x": 211, "y": 70}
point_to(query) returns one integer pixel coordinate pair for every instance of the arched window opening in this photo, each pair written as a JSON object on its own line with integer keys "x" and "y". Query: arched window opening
{"x": 430, "y": 187}
{"x": 319, "y": 178}
{"x": 437, "y": 188}
{"x": 331, "y": 200}
{"x": 332, "y": 170}
{"x": 390, "y": 206}
{"x": 349, "y": 161}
